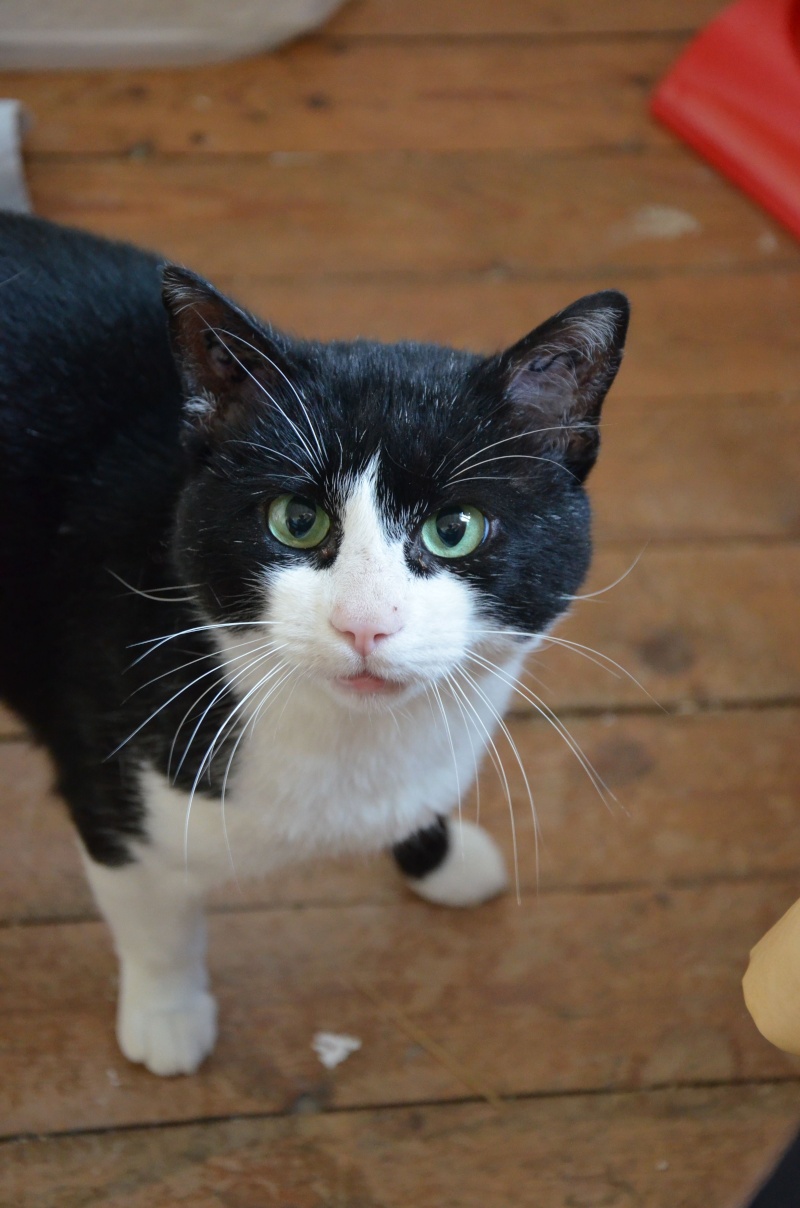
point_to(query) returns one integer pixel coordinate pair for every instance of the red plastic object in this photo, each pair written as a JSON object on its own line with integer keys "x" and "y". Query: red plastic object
{"x": 734, "y": 95}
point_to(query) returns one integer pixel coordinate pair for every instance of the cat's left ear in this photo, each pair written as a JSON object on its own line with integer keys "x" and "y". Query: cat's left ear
{"x": 227, "y": 361}
{"x": 559, "y": 374}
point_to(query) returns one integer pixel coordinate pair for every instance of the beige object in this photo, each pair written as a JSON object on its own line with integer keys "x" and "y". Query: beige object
{"x": 13, "y": 191}
{"x": 147, "y": 33}
{"x": 772, "y": 982}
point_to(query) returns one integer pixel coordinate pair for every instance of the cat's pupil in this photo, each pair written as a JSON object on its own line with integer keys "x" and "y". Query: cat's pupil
{"x": 451, "y": 526}
{"x": 300, "y": 516}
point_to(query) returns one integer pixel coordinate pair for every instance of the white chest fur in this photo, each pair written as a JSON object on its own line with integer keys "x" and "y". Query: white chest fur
{"x": 314, "y": 777}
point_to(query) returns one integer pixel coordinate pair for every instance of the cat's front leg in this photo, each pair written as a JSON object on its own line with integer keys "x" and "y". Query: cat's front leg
{"x": 166, "y": 1018}
{"x": 452, "y": 863}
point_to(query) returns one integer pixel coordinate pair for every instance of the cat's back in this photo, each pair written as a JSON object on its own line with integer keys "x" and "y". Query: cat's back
{"x": 83, "y": 334}
{"x": 90, "y": 406}
{"x": 89, "y": 394}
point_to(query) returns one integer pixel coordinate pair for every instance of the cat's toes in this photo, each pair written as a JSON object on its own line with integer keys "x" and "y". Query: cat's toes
{"x": 472, "y": 871}
{"x": 169, "y": 1039}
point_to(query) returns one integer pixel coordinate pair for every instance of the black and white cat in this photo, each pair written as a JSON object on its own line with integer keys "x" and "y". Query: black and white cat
{"x": 263, "y": 598}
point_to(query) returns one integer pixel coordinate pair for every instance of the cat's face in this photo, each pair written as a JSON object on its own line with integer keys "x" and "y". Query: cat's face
{"x": 387, "y": 513}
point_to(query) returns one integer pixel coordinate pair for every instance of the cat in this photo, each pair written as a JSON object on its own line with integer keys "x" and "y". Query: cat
{"x": 266, "y": 598}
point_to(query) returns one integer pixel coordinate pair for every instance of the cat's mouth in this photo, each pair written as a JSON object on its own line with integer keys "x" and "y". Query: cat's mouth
{"x": 369, "y": 685}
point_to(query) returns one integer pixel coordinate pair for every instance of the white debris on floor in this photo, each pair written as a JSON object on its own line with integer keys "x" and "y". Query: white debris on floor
{"x": 333, "y": 1048}
{"x": 655, "y": 222}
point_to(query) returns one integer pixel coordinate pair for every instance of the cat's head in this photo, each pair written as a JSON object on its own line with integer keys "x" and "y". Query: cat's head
{"x": 388, "y": 510}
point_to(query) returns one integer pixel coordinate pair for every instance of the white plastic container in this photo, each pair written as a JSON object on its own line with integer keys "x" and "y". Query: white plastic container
{"x": 42, "y": 34}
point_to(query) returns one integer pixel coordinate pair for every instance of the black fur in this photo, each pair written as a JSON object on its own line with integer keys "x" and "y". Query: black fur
{"x": 107, "y": 479}
{"x": 424, "y": 851}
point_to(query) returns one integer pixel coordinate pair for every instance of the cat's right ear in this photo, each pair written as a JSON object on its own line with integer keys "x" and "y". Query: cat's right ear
{"x": 228, "y": 362}
{"x": 560, "y": 373}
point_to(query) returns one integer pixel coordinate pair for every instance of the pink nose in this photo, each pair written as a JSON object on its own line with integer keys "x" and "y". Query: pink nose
{"x": 365, "y": 635}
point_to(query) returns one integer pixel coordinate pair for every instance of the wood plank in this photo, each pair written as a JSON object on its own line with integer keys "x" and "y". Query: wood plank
{"x": 706, "y": 334}
{"x": 414, "y": 18}
{"x": 706, "y": 467}
{"x": 703, "y": 625}
{"x": 360, "y": 96}
{"x": 40, "y": 869}
{"x": 620, "y": 991}
{"x": 687, "y": 813}
{"x": 507, "y": 213}
{"x": 687, "y": 1148}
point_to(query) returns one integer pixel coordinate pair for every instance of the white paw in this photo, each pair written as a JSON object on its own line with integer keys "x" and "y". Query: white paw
{"x": 168, "y": 1039}
{"x": 472, "y": 871}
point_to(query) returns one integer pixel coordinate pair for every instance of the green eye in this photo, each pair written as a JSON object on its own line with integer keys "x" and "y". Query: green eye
{"x": 298, "y": 522}
{"x": 454, "y": 532}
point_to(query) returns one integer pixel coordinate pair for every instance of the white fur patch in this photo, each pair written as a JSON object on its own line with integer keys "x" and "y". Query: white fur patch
{"x": 473, "y": 871}
{"x": 166, "y": 1018}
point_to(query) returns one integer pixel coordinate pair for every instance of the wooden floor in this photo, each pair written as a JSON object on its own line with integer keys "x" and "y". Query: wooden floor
{"x": 456, "y": 170}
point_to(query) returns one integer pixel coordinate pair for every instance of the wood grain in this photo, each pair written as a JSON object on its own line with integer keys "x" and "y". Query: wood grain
{"x": 572, "y": 992}
{"x": 686, "y": 1148}
{"x": 409, "y": 215}
{"x": 720, "y": 334}
{"x": 326, "y": 95}
{"x": 699, "y": 797}
{"x": 673, "y": 623}
{"x": 702, "y": 467}
{"x": 415, "y": 18}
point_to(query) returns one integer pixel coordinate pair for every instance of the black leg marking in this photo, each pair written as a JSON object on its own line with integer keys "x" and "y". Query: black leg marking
{"x": 423, "y": 851}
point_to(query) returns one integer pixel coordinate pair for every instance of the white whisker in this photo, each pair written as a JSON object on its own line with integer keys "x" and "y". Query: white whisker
{"x": 588, "y": 651}
{"x": 228, "y": 684}
{"x": 443, "y": 711}
{"x": 316, "y": 457}
{"x": 468, "y": 732}
{"x": 285, "y": 705}
{"x": 217, "y": 669}
{"x": 498, "y": 763}
{"x": 281, "y": 456}
{"x": 161, "y": 708}
{"x": 210, "y": 654}
{"x": 509, "y": 739}
{"x": 209, "y": 755}
{"x": 545, "y": 711}
{"x": 304, "y": 443}
{"x": 514, "y": 436}
{"x": 155, "y": 643}
{"x": 611, "y": 666}
{"x": 250, "y": 725}
{"x": 508, "y": 457}
{"x": 227, "y": 687}
{"x": 591, "y": 595}
{"x": 151, "y": 595}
